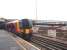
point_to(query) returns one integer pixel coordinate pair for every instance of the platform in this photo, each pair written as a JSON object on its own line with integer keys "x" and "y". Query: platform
{"x": 9, "y": 41}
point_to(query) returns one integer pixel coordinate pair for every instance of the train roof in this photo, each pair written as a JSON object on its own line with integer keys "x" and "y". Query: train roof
{"x": 14, "y": 21}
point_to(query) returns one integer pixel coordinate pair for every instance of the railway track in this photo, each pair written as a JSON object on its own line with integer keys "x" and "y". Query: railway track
{"x": 49, "y": 44}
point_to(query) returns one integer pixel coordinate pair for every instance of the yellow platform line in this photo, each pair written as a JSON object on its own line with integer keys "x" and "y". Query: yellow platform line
{"x": 18, "y": 42}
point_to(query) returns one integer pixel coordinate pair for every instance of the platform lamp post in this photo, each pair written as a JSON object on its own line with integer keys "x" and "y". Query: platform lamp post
{"x": 36, "y": 9}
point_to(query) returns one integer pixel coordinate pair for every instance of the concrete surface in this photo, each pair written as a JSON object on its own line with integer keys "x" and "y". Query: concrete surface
{"x": 7, "y": 43}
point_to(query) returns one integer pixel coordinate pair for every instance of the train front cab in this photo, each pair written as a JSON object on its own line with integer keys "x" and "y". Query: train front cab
{"x": 26, "y": 29}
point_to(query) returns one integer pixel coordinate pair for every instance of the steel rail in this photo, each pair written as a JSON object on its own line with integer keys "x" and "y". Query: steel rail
{"x": 51, "y": 44}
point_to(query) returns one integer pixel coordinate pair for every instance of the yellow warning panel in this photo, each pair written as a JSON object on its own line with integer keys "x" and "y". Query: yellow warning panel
{"x": 27, "y": 31}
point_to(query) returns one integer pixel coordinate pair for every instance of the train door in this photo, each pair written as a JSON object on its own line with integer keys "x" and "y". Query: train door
{"x": 13, "y": 27}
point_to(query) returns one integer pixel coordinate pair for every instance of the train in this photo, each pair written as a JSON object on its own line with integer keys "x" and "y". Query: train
{"x": 22, "y": 28}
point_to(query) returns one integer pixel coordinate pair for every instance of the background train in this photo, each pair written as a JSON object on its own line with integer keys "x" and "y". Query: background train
{"x": 22, "y": 28}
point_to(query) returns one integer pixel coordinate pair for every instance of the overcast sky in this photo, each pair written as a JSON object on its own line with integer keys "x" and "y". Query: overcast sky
{"x": 46, "y": 9}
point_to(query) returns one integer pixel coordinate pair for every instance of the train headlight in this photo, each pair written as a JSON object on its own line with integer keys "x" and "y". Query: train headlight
{"x": 27, "y": 31}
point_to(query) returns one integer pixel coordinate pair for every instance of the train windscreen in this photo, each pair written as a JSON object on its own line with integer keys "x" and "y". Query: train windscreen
{"x": 25, "y": 23}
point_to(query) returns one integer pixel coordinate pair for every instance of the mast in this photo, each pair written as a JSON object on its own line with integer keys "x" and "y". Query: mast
{"x": 36, "y": 8}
